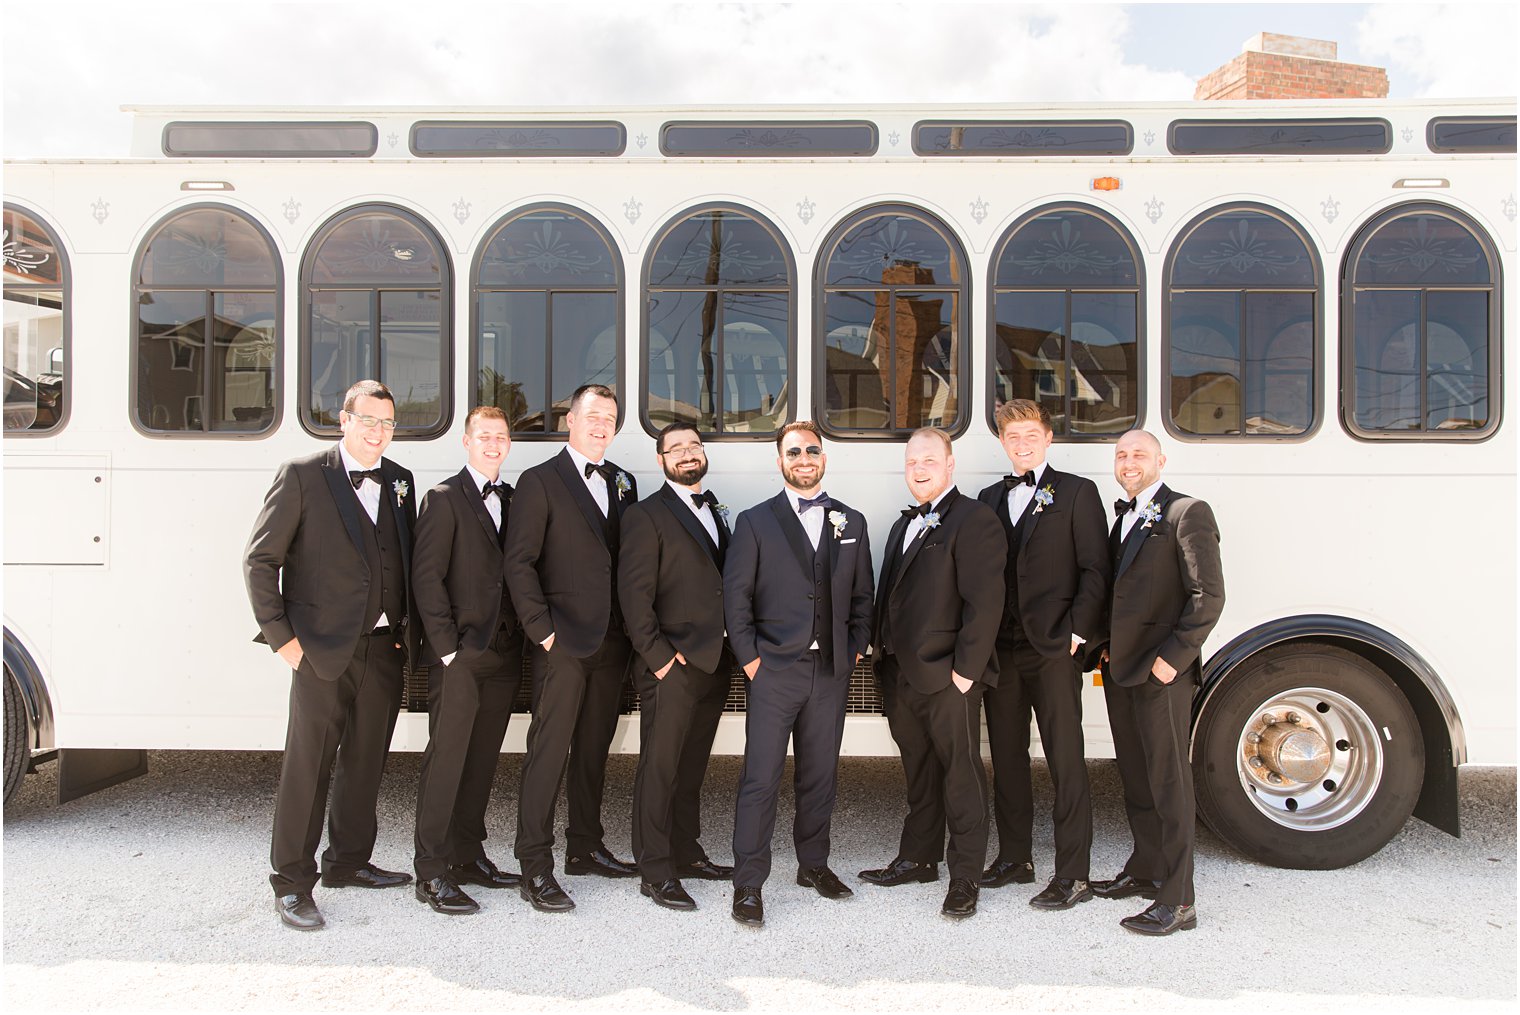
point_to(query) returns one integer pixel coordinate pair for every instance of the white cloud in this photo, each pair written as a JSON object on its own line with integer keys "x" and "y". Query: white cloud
{"x": 1461, "y": 50}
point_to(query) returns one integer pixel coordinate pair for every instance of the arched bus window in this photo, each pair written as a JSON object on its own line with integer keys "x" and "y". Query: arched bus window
{"x": 719, "y": 312}
{"x": 1420, "y": 328}
{"x": 548, "y": 316}
{"x": 892, "y": 319}
{"x": 375, "y": 303}
{"x": 36, "y": 326}
{"x": 1241, "y": 356}
{"x": 206, "y": 334}
{"x": 1066, "y": 321}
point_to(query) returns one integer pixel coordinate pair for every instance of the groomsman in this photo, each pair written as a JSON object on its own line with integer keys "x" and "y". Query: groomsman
{"x": 327, "y": 572}
{"x": 1057, "y": 577}
{"x": 797, "y": 600}
{"x": 474, "y": 651}
{"x": 937, "y": 614}
{"x": 562, "y": 554}
{"x": 1168, "y": 592}
{"x": 670, "y": 584}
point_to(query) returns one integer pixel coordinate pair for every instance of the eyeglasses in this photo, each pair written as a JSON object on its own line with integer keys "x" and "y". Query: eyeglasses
{"x": 684, "y": 450}
{"x": 812, "y": 451}
{"x": 370, "y": 421}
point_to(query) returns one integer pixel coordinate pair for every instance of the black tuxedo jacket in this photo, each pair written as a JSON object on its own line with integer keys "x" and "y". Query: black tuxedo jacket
{"x": 670, "y": 582}
{"x": 944, "y": 597}
{"x": 305, "y": 566}
{"x": 1063, "y": 562}
{"x": 561, "y": 563}
{"x": 459, "y": 570}
{"x": 768, "y": 609}
{"x": 1168, "y": 589}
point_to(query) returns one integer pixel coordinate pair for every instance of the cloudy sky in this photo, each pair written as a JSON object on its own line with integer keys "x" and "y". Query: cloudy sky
{"x": 68, "y": 66}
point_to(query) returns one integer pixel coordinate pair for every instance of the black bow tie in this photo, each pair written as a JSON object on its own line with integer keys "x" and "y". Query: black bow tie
{"x": 605, "y": 469}
{"x": 698, "y": 499}
{"x": 1123, "y": 507}
{"x": 1010, "y": 481}
{"x": 358, "y": 476}
{"x": 498, "y": 488}
{"x": 822, "y": 500}
{"x": 917, "y": 510}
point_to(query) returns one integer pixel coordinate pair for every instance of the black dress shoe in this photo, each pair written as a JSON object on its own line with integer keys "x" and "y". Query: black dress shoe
{"x": 825, "y": 882}
{"x": 363, "y": 876}
{"x": 299, "y": 912}
{"x": 545, "y": 894}
{"x": 705, "y": 870}
{"x": 1123, "y": 886}
{"x": 601, "y": 863}
{"x": 484, "y": 873}
{"x": 902, "y": 872}
{"x": 748, "y": 907}
{"x": 1062, "y": 893}
{"x": 668, "y": 894}
{"x": 445, "y": 897}
{"x": 1160, "y": 920}
{"x": 1007, "y": 872}
{"x": 960, "y": 900}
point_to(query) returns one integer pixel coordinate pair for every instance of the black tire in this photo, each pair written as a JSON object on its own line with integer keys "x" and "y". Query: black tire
{"x": 15, "y": 737}
{"x": 1370, "y": 734}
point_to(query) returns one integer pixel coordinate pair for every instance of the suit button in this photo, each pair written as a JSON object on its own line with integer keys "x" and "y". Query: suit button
{"x": 811, "y": 596}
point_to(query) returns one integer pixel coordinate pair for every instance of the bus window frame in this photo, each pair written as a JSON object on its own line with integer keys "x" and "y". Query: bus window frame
{"x": 65, "y": 286}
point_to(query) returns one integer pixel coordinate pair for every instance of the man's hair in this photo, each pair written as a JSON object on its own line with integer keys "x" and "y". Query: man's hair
{"x": 374, "y": 389}
{"x": 483, "y": 412}
{"x": 659, "y": 438}
{"x": 802, "y": 424}
{"x": 1021, "y": 410}
{"x": 586, "y": 390}
{"x": 933, "y": 431}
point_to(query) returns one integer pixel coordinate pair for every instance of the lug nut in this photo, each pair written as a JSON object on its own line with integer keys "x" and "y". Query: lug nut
{"x": 1293, "y": 717}
{"x": 1255, "y": 762}
{"x": 1274, "y": 778}
{"x": 1253, "y": 738}
{"x": 1268, "y": 719}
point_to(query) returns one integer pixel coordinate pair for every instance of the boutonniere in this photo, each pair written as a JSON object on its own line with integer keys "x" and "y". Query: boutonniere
{"x": 931, "y": 521}
{"x": 721, "y": 510}
{"x": 624, "y": 484}
{"x": 1044, "y": 498}
{"x": 401, "y": 490}
{"x": 838, "y": 519}
{"x": 1150, "y": 514}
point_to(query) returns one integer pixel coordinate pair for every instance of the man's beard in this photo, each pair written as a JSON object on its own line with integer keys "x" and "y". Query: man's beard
{"x": 673, "y": 473}
{"x": 800, "y": 484}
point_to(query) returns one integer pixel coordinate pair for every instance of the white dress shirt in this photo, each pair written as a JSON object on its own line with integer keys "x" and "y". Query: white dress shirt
{"x": 493, "y": 502}
{"x": 812, "y": 519}
{"x": 916, "y": 523}
{"x": 369, "y": 495}
{"x": 703, "y": 512}
{"x": 594, "y": 482}
{"x": 1020, "y": 496}
{"x": 1131, "y": 516}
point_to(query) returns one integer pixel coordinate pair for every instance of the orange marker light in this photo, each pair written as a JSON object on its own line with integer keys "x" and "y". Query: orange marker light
{"x": 1106, "y": 183}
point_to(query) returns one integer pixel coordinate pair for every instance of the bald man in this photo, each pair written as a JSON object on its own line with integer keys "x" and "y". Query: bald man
{"x": 1168, "y": 592}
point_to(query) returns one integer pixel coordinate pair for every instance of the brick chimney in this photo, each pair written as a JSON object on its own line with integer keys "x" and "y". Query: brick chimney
{"x": 1287, "y": 67}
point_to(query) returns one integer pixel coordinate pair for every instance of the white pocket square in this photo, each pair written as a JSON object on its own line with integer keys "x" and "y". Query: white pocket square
{"x": 843, "y": 541}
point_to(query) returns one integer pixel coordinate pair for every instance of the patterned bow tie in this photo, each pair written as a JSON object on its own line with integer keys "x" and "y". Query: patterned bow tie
{"x": 822, "y": 500}
{"x": 698, "y": 499}
{"x": 358, "y": 476}
{"x": 1010, "y": 481}
{"x": 499, "y": 489}
{"x": 1123, "y": 507}
{"x": 917, "y": 510}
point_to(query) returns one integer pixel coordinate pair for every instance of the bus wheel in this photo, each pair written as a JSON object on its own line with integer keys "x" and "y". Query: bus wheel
{"x": 15, "y": 736}
{"x": 1307, "y": 757}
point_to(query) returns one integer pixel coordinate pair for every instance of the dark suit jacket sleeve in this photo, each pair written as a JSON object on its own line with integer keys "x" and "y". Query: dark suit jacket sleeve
{"x": 739, "y": 569}
{"x": 525, "y": 541}
{"x": 1094, "y": 568}
{"x": 1203, "y": 584}
{"x": 638, "y": 580}
{"x": 272, "y": 535}
{"x": 862, "y": 598}
{"x": 980, "y": 552}
{"x": 432, "y": 550}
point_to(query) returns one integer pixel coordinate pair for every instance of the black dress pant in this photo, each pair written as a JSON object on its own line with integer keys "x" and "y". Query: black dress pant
{"x": 348, "y": 721}
{"x": 678, "y": 719}
{"x": 803, "y": 703}
{"x": 1051, "y": 687}
{"x": 469, "y": 704}
{"x": 940, "y": 738}
{"x": 1150, "y": 726}
{"x": 575, "y": 715}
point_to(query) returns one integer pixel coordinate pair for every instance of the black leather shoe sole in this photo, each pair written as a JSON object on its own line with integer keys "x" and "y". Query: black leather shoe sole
{"x": 921, "y": 876}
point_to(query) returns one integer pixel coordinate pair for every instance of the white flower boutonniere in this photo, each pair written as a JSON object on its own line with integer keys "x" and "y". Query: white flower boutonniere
{"x": 1045, "y": 497}
{"x": 1150, "y": 514}
{"x": 401, "y": 490}
{"x": 624, "y": 484}
{"x": 721, "y": 510}
{"x": 931, "y": 521}
{"x": 838, "y": 520}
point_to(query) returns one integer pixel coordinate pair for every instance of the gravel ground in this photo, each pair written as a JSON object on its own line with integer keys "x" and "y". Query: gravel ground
{"x": 152, "y": 895}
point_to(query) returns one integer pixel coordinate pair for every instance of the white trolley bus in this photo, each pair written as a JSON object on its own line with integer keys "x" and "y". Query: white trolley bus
{"x": 1307, "y": 300}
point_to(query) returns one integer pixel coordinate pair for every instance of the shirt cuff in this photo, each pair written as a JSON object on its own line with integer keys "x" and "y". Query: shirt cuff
{"x": 446, "y": 660}
{"x": 1078, "y": 638}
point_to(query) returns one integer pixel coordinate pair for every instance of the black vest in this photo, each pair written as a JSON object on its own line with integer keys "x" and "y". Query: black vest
{"x": 387, "y": 572}
{"x": 1011, "y": 629}
{"x": 823, "y": 598}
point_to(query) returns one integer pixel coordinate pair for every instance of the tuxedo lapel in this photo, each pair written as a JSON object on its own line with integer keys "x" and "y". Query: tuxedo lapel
{"x": 689, "y": 520}
{"x": 344, "y": 497}
{"x": 893, "y": 560}
{"x": 1031, "y": 516}
{"x": 465, "y": 483}
{"x": 796, "y": 535}
{"x": 922, "y": 537}
{"x": 391, "y": 475}
{"x": 575, "y": 485}
{"x": 723, "y": 536}
{"x": 1138, "y": 532}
